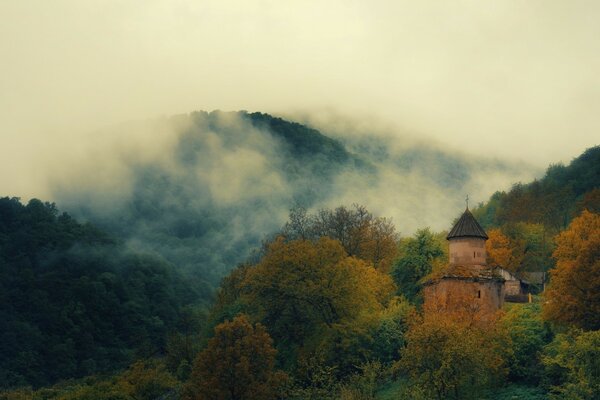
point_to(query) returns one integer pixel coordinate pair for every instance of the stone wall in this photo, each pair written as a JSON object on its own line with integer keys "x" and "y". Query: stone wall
{"x": 485, "y": 297}
{"x": 467, "y": 251}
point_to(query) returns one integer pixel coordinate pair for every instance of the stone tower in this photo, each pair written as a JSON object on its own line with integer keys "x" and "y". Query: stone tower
{"x": 467, "y": 280}
{"x": 467, "y": 242}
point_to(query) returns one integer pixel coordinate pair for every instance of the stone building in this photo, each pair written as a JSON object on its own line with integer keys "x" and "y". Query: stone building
{"x": 467, "y": 280}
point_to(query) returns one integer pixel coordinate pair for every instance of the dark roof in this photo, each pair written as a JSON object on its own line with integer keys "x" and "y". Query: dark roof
{"x": 467, "y": 226}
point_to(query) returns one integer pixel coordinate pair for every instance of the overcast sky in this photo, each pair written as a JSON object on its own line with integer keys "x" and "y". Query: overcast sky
{"x": 515, "y": 79}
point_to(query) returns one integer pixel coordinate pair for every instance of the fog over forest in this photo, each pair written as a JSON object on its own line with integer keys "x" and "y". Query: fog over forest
{"x": 203, "y": 189}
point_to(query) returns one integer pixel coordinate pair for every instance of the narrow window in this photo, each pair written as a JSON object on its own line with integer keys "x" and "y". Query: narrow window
{"x": 473, "y": 254}
{"x": 479, "y": 294}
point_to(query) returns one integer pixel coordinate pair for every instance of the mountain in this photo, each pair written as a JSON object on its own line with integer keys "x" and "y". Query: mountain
{"x": 215, "y": 184}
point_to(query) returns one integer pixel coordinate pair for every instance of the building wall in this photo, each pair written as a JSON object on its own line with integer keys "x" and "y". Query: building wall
{"x": 467, "y": 251}
{"x": 485, "y": 297}
{"x": 512, "y": 287}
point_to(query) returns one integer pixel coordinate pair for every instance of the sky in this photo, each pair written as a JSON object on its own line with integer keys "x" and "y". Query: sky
{"x": 513, "y": 79}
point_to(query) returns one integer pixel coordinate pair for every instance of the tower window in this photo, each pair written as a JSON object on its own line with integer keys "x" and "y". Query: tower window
{"x": 473, "y": 254}
{"x": 479, "y": 294}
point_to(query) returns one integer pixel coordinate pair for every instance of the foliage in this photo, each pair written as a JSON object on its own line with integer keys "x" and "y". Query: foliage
{"x": 529, "y": 334}
{"x": 551, "y": 201}
{"x": 388, "y": 334}
{"x": 361, "y": 234}
{"x": 573, "y": 296}
{"x": 516, "y": 392}
{"x": 73, "y": 302}
{"x": 238, "y": 363}
{"x": 572, "y": 363}
{"x": 302, "y": 288}
{"x": 417, "y": 258}
{"x": 454, "y": 355}
{"x": 143, "y": 380}
{"x": 501, "y": 251}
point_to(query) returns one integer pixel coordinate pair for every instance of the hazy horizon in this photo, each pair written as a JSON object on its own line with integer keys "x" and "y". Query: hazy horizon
{"x": 514, "y": 81}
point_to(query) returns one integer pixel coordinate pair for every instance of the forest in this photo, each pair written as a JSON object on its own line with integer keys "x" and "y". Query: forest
{"x": 328, "y": 305}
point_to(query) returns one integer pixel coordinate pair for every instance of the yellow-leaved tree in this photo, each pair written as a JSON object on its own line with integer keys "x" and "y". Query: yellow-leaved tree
{"x": 573, "y": 295}
{"x": 454, "y": 354}
{"x": 304, "y": 291}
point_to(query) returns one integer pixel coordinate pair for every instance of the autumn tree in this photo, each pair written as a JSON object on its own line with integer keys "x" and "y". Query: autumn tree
{"x": 573, "y": 296}
{"x": 303, "y": 288}
{"x": 145, "y": 380}
{"x": 418, "y": 255}
{"x": 361, "y": 234}
{"x": 454, "y": 356}
{"x": 502, "y": 251}
{"x": 237, "y": 364}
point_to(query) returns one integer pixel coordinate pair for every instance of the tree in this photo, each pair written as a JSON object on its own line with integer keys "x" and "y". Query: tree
{"x": 145, "y": 380}
{"x": 237, "y": 364}
{"x": 362, "y": 235}
{"x": 301, "y": 290}
{"x": 573, "y": 296}
{"x": 453, "y": 356}
{"x": 500, "y": 251}
{"x": 572, "y": 364}
{"x": 417, "y": 257}
{"x": 529, "y": 334}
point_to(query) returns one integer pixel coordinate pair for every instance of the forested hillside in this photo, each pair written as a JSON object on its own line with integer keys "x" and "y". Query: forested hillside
{"x": 522, "y": 221}
{"x": 221, "y": 272}
{"x": 76, "y": 302}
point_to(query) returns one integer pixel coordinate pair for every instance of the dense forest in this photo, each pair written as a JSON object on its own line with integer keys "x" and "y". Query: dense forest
{"x": 523, "y": 221}
{"x": 324, "y": 304}
{"x": 76, "y": 302}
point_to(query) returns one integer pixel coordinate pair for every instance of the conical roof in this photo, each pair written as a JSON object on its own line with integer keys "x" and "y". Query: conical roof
{"x": 467, "y": 226}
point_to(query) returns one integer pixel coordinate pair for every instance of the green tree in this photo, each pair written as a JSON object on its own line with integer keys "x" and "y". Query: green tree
{"x": 529, "y": 334}
{"x": 572, "y": 364}
{"x": 417, "y": 258}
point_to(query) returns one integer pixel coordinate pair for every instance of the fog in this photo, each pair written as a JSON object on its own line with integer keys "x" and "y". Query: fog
{"x": 440, "y": 99}
{"x": 204, "y": 189}
{"x": 513, "y": 79}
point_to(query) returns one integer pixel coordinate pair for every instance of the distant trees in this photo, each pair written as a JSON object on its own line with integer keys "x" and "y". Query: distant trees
{"x": 573, "y": 296}
{"x": 552, "y": 201}
{"x": 362, "y": 235}
{"x": 237, "y": 364}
